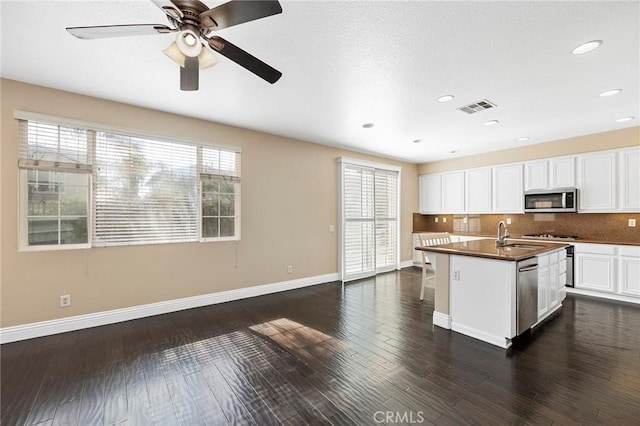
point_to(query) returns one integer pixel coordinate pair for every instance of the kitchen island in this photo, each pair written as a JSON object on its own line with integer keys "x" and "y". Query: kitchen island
{"x": 485, "y": 291}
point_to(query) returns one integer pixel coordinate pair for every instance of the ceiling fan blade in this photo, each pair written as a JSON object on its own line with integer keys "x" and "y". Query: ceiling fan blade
{"x": 245, "y": 59}
{"x": 237, "y": 12}
{"x": 189, "y": 73}
{"x": 169, "y": 8}
{"x": 105, "y": 31}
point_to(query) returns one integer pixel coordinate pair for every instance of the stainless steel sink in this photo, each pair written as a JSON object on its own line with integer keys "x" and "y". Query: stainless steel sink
{"x": 523, "y": 246}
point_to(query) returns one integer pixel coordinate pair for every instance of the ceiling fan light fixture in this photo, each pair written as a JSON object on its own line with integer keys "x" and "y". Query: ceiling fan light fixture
{"x": 206, "y": 59}
{"x": 187, "y": 42}
{"x": 175, "y": 54}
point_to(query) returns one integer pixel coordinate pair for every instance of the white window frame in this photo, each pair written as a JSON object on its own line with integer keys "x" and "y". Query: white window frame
{"x": 23, "y": 217}
{"x": 347, "y": 161}
{"x": 237, "y": 221}
{"x": 98, "y": 127}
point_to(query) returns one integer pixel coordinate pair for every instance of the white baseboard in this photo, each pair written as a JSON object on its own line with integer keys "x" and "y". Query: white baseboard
{"x": 406, "y": 264}
{"x": 618, "y": 297}
{"x": 63, "y": 325}
{"x": 481, "y": 335}
{"x": 442, "y": 320}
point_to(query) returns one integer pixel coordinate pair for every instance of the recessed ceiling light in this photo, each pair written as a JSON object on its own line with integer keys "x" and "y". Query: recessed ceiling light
{"x": 417, "y": 141}
{"x": 608, "y": 93}
{"x": 455, "y": 151}
{"x": 623, "y": 119}
{"x": 445, "y": 98}
{"x": 490, "y": 122}
{"x": 586, "y": 47}
{"x": 368, "y": 125}
{"x": 522, "y": 139}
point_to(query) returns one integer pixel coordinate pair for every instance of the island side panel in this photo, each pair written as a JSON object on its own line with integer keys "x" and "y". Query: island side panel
{"x": 482, "y": 298}
{"x": 441, "y": 311}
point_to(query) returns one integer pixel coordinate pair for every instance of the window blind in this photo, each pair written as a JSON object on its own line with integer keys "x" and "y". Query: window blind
{"x": 145, "y": 191}
{"x": 369, "y": 239}
{"x": 359, "y": 221}
{"x": 53, "y": 146}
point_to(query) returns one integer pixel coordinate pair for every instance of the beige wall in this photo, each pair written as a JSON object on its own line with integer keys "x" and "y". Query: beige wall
{"x": 288, "y": 202}
{"x": 588, "y": 143}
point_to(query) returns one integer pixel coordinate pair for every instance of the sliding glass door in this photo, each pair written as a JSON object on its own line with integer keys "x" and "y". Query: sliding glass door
{"x": 369, "y": 224}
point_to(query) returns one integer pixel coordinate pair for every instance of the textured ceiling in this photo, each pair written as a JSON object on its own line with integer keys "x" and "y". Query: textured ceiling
{"x": 346, "y": 63}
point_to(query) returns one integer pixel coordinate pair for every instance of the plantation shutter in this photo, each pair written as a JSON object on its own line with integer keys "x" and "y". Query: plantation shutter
{"x": 386, "y": 219}
{"x": 369, "y": 239}
{"x": 145, "y": 191}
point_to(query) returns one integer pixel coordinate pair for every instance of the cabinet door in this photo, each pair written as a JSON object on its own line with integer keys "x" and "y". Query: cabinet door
{"x": 431, "y": 193}
{"x": 596, "y": 181}
{"x": 535, "y": 175}
{"x": 478, "y": 190}
{"x": 553, "y": 286}
{"x": 508, "y": 189}
{"x": 453, "y": 192}
{"x": 629, "y": 179}
{"x": 630, "y": 276}
{"x": 595, "y": 272}
{"x": 562, "y": 173}
{"x": 543, "y": 291}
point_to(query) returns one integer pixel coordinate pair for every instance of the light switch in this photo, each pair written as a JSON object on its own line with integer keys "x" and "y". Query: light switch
{"x": 332, "y": 228}
{"x": 632, "y": 223}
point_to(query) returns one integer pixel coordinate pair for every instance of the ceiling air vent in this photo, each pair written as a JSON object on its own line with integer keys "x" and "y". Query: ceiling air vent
{"x": 477, "y": 106}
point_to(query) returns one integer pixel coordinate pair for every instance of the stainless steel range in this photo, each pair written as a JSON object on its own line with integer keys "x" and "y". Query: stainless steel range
{"x": 570, "y": 250}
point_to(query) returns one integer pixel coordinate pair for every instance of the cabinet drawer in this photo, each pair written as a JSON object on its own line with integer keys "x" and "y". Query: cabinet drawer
{"x": 562, "y": 280}
{"x": 630, "y": 251}
{"x": 562, "y": 266}
{"x": 553, "y": 257}
{"x": 595, "y": 248}
{"x": 562, "y": 254}
{"x": 543, "y": 260}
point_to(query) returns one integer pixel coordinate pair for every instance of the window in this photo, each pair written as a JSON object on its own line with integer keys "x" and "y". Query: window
{"x": 369, "y": 224}
{"x": 82, "y": 186}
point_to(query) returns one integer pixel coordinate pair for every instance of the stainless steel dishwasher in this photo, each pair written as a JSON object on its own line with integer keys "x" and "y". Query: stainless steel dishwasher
{"x": 526, "y": 294}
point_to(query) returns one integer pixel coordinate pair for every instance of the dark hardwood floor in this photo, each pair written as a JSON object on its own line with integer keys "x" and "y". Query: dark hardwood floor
{"x": 366, "y": 353}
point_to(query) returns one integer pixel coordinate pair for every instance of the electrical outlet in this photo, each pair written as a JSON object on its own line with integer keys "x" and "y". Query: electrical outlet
{"x": 65, "y": 300}
{"x": 456, "y": 275}
{"x": 508, "y": 221}
{"x": 464, "y": 219}
{"x": 289, "y": 269}
{"x": 632, "y": 223}
{"x": 444, "y": 220}
{"x": 436, "y": 219}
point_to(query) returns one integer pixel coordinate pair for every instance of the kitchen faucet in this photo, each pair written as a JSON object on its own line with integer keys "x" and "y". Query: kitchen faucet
{"x": 500, "y": 241}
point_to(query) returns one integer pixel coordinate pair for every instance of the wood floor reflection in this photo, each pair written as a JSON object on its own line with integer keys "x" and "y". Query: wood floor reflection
{"x": 366, "y": 353}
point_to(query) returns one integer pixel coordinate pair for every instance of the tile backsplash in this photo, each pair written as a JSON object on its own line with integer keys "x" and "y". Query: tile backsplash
{"x": 609, "y": 227}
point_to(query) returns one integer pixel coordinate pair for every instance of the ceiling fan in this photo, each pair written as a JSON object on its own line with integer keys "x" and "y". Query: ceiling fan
{"x": 193, "y": 21}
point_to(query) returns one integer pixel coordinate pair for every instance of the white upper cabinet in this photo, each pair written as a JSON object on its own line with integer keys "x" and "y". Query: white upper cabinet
{"x": 431, "y": 193}
{"x": 550, "y": 173}
{"x": 597, "y": 182}
{"x": 562, "y": 172}
{"x": 508, "y": 189}
{"x": 453, "y": 192}
{"x": 536, "y": 175}
{"x": 629, "y": 179}
{"x": 478, "y": 190}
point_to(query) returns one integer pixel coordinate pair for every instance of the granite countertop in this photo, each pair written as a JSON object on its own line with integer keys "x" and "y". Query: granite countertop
{"x": 557, "y": 240}
{"x": 487, "y": 248}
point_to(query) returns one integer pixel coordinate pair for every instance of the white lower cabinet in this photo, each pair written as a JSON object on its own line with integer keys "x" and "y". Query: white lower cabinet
{"x": 608, "y": 270}
{"x": 630, "y": 271}
{"x": 552, "y": 272}
{"x": 595, "y": 267}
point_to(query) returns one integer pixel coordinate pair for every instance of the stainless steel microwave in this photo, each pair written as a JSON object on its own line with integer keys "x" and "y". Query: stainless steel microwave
{"x": 561, "y": 200}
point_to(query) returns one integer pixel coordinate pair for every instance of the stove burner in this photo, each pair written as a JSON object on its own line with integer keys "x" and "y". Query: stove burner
{"x": 560, "y": 236}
